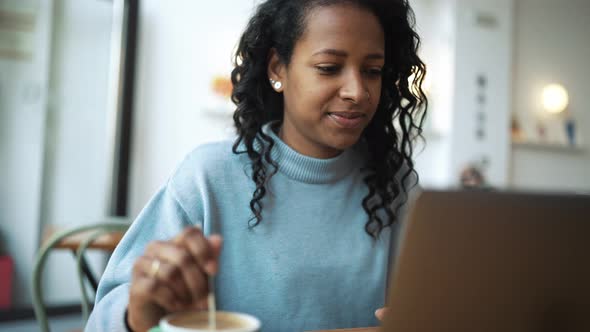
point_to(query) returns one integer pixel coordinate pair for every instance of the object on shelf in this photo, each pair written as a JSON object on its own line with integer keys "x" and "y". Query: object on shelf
{"x": 221, "y": 86}
{"x": 570, "y": 130}
{"x": 516, "y": 130}
{"x": 218, "y": 104}
{"x": 541, "y": 131}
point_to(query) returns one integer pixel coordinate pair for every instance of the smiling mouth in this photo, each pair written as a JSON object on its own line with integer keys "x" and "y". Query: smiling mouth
{"x": 347, "y": 120}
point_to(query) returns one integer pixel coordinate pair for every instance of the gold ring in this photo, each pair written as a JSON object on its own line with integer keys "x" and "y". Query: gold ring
{"x": 154, "y": 268}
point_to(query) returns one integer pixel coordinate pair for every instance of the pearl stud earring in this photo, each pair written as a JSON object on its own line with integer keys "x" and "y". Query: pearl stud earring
{"x": 276, "y": 84}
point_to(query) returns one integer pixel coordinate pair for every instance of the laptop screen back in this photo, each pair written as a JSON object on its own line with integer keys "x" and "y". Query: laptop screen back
{"x": 490, "y": 261}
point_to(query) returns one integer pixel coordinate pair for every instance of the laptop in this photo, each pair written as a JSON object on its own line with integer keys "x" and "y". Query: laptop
{"x": 492, "y": 261}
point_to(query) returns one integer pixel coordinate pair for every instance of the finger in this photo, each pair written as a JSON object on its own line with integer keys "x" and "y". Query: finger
{"x": 177, "y": 267}
{"x": 199, "y": 247}
{"x": 193, "y": 277}
{"x": 216, "y": 243}
{"x": 202, "y": 304}
{"x": 151, "y": 289}
{"x": 380, "y": 313}
{"x": 167, "y": 273}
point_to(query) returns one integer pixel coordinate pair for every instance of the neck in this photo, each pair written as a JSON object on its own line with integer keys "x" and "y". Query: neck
{"x": 298, "y": 143}
{"x": 305, "y": 168}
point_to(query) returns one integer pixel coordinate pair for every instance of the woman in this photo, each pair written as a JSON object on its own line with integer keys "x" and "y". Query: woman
{"x": 307, "y": 197}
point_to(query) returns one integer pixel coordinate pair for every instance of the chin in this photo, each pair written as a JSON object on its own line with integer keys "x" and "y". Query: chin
{"x": 345, "y": 142}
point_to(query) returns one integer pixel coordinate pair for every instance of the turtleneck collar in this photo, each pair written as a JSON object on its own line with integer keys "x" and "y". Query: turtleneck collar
{"x": 307, "y": 169}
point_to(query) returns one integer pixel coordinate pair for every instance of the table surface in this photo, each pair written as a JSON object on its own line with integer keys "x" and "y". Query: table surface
{"x": 106, "y": 242}
{"x": 367, "y": 329}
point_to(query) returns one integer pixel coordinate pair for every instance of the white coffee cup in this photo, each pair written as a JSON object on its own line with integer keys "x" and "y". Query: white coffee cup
{"x": 199, "y": 322}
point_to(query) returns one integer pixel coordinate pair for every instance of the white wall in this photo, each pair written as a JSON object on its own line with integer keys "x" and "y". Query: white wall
{"x": 457, "y": 49}
{"x": 435, "y": 23}
{"x": 551, "y": 45}
{"x": 483, "y": 48}
{"x": 22, "y": 120}
{"x": 182, "y": 44}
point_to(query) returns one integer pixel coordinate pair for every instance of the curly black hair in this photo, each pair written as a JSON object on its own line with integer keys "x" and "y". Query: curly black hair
{"x": 278, "y": 24}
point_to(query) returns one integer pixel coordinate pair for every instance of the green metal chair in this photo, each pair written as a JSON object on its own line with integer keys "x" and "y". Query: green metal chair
{"x": 96, "y": 230}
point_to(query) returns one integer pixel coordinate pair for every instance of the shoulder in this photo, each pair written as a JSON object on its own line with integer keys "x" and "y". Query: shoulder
{"x": 206, "y": 160}
{"x": 210, "y": 154}
{"x": 208, "y": 164}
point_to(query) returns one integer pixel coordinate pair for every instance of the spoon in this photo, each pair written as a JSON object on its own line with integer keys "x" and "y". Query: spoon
{"x": 211, "y": 304}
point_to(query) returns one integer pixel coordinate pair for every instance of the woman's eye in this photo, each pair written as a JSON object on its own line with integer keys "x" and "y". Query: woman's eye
{"x": 374, "y": 72}
{"x": 327, "y": 70}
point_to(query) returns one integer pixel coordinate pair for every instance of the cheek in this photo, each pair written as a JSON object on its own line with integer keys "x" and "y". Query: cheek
{"x": 311, "y": 99}
{"x": 375, "y": 95}
{"x": 321, "y": 98}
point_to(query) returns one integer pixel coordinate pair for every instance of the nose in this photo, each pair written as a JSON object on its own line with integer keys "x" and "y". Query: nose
{"x": 353, "y": 88}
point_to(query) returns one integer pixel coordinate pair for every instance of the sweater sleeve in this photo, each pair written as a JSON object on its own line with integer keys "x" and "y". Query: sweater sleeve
{"x": 163, "y": 218}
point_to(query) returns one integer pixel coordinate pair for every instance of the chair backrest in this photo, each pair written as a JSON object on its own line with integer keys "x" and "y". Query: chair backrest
{"x": 94, "y": 231}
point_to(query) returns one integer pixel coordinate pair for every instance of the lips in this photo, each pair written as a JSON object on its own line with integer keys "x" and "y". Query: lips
{"x": 348, "y": 120}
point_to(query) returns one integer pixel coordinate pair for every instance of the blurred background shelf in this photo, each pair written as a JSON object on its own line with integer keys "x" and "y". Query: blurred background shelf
{"x": 554, "y": 147}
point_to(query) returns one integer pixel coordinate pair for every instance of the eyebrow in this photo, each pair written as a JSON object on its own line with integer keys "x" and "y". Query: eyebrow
{"x": 331, "y": 51}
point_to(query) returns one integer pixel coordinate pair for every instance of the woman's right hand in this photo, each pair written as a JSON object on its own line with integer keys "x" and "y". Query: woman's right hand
{"x": 172, "y": 276}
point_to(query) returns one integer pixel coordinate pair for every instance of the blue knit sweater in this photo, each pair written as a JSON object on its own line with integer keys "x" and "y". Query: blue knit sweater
{"x": 308, "y": 265}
